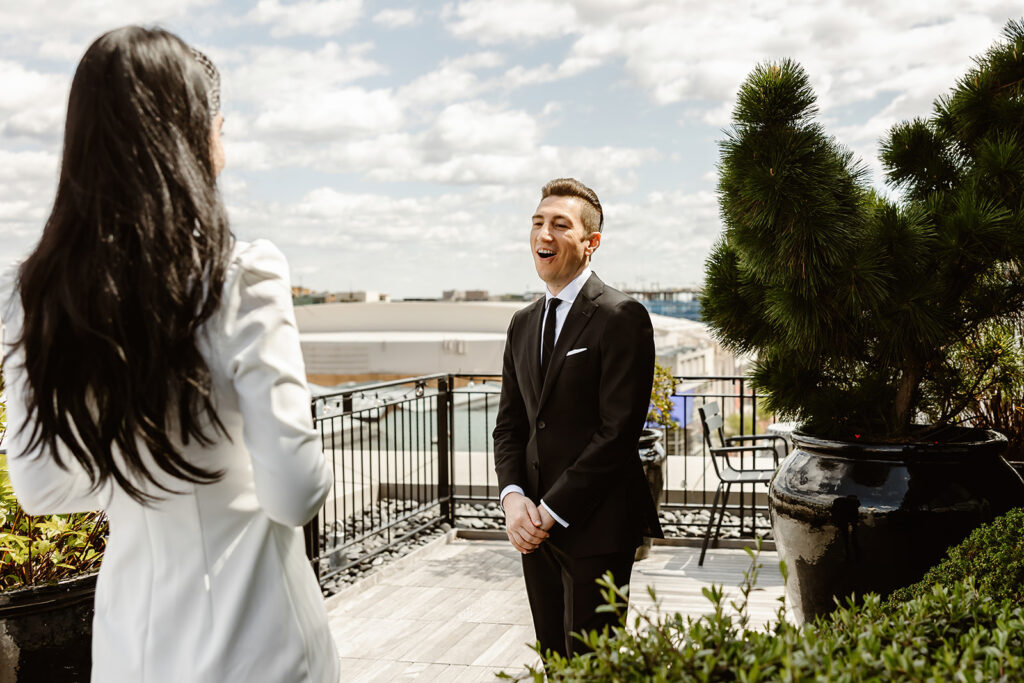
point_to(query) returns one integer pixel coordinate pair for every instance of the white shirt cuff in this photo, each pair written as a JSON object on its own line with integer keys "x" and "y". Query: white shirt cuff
{"x": 552, "y": 513}
{"x": 511, "y": 488}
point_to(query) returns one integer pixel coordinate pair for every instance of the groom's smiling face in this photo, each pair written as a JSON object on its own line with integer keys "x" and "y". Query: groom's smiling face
{"x": 560, "y": 243}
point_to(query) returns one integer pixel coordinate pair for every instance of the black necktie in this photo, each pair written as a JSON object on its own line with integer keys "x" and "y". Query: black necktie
{"x": 548, "y": 347}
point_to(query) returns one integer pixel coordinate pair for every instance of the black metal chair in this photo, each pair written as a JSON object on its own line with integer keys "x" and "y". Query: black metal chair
{"x": 711, "y": 421}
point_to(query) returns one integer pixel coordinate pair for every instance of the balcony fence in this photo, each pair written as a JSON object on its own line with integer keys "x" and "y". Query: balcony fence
{"x": 412, "y": 454}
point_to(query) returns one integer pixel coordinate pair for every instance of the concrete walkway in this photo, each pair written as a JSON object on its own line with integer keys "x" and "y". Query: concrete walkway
{"x": 455, "y": 610}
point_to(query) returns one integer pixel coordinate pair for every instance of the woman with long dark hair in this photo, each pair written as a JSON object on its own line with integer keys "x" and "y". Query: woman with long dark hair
{"x": 153, "y": 370}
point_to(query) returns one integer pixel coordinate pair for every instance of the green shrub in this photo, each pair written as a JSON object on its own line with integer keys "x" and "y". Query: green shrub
{"x": 662, "y": 389}
{"x": 951, "y": 633}
{"x": 46, "y": 548}
{"x": 861, "y": 308}
{"x": 993, "y": 555}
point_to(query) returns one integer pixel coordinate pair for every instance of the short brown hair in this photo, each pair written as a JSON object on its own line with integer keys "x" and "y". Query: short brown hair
{"x": 591, "y": 213}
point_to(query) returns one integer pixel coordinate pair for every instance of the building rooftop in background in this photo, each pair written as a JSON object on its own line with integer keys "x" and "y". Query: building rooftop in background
{"x": 301, "y": 296}
{"x": 343, "y": 342}
{"x": 465, "y": 295}
{"x": 675, "y": 302}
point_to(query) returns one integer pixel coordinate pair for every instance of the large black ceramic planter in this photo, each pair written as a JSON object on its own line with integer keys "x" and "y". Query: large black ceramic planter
{"x": 46, "y": 632}
{"x": 652, "y": 456}
{"x": 852, "y": 518}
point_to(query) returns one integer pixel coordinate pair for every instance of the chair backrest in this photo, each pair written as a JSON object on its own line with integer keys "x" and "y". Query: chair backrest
{"x": 711, "y": 420}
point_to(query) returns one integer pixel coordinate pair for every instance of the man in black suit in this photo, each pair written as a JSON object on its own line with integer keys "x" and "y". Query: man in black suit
{"x": 576, "y": 388}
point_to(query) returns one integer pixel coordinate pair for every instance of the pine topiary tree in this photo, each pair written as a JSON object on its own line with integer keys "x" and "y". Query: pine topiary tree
{"x": 866, "y": 313}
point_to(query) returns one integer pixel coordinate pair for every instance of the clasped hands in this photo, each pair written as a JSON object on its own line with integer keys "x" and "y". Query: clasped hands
{"x": 526, "y": 524}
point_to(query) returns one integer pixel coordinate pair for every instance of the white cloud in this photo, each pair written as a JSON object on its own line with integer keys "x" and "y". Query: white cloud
{"x": 481, "y": 127}
{"x": 454, "y": 79}
{"x": 56, "y": 17}
{"x": 395, "y": 18}
{"x": 342, "y": 111}
{"x": 29, "y": 180}
{"x": 61, "y": 50}
{"x": 262, "y": 74}
{"x": 520, "y": 76}
{"x": 427, "y": 159}
{"x": 498, "y": 21}
{"x": 33, "y": 103}
{"x": 679, "y": 227}
{"x": 675, "y": 51}
{"x": 308, "y": 17}
{"x": 475, "y": 237}
{"x": 417, "y": 245}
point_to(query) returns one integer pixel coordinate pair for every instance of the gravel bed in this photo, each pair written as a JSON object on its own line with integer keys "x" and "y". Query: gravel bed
{"x": 373, "y": 518}
{"x": 693, "y": 524}
{"x": 676, "y": 524}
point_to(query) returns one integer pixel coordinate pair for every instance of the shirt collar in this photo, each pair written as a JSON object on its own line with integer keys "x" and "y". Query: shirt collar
{"x": 571, "y": 290}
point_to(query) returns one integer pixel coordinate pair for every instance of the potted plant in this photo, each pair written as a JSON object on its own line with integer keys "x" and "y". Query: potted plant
{"x": 652, "y": 450}
{"x": 1001, "y": 406}
{"x": 47, "y": 583}
{"x": 861, "y": 311}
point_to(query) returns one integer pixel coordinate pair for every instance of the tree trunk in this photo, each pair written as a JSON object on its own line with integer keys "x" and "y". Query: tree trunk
{"x": 912, "y": 372}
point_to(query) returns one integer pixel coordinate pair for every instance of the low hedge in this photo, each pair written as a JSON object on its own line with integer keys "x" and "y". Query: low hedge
{"x": 953, "y": 632}
{"x": 993, "y": 555}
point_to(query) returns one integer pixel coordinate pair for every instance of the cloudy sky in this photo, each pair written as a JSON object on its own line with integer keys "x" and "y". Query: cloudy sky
{"x": 400, "y": 146}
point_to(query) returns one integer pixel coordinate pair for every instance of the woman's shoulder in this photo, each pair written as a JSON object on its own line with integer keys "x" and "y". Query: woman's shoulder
{"x": 257, "y": 277}
{"x": 255, "y": 266}
{"x": 259, "y": 256}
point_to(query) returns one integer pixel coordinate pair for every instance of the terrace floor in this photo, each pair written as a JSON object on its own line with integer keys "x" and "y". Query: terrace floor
{"x": 456, "y": 610}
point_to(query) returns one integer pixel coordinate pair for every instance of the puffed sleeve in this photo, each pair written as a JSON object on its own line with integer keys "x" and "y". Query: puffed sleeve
{"x": 42, "y": 485}
{"x": 261, "y": 355}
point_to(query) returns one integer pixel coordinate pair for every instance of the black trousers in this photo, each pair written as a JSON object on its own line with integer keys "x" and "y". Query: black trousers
{"x": 564, "y": 596}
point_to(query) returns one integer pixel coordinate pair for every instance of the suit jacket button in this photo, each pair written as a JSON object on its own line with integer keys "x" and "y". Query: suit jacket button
{"x": 541, "y": 424}
{"x": 536, "y": 465}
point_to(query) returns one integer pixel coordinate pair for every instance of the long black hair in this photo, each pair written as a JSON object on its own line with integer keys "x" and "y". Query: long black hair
{"x": 130, "y": 265}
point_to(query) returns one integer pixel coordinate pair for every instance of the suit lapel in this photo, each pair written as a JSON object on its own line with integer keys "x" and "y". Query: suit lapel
{"x": 532, "y": 340}
{"x": 579, "y": 315}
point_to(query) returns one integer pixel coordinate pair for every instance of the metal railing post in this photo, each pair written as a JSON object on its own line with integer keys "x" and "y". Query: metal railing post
{"x": 312, "y": 536}
{"x": 444, "y": 484}
{"x": 311, "y": 530}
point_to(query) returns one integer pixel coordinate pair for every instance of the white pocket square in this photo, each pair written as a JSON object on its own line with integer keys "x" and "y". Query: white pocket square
{"x": 575, "y": 351}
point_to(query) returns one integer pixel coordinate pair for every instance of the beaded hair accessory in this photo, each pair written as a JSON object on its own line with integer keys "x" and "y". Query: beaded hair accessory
{"x": 213, "y": 92}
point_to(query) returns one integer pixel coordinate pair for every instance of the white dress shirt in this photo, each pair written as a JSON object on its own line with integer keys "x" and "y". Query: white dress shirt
{"x": 567, "y": 296}
{"x": 211, "y": 584}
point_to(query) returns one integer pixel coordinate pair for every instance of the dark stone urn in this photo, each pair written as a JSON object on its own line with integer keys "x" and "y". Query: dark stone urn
{"x": 853, "y": 518}
{"x": 46, "y": 632}
{"x": 652, "y": 457}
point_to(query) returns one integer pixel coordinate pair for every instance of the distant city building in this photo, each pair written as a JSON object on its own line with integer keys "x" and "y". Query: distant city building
{"x": 362, "y": 341}
{"x": 362, "y": 297}
{"x": 344, "y": 342}
{"x": 465, "y": 295}
{"x": 679, "y": 302}
{"x": 302, "y": 296}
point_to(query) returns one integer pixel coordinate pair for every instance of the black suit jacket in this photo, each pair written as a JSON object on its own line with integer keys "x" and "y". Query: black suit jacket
{"x": 571, "y": 438}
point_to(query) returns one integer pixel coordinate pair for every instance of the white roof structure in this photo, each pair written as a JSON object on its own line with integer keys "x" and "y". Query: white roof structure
{"x": 425, "y": 337}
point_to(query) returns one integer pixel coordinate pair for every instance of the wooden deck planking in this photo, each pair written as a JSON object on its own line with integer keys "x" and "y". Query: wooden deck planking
{"x": 457, "y": 611}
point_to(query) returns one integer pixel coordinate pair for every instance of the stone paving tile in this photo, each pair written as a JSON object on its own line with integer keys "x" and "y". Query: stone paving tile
{"x": 513, "y": 646}
{"x": 497, "y": 607}
{"x": 468, "y": 648}
{"x": 457, "y": 611}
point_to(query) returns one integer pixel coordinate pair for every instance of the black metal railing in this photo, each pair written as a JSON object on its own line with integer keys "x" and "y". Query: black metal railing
{"x": 689, "y": 462}
{"x": 414, "y": 453}
{"x": 388, "y": 448}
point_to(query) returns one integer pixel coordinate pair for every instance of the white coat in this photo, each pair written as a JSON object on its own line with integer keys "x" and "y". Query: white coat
{"x": 211, "y": 584}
